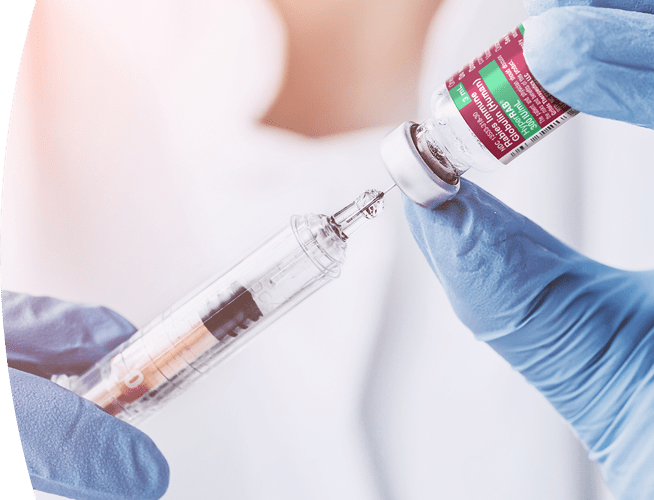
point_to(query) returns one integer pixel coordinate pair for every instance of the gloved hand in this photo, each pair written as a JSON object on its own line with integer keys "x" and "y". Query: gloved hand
{"x": 595, "y": 55}
{"x": 582, "y": 333}
{"x": 73, "y": 448}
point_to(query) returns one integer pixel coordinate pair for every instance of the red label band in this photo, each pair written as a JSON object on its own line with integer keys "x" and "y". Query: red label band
{"x": 502, "y": 102}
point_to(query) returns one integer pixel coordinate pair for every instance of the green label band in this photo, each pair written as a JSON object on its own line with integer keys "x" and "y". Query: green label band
{"x": 460, "y": 96}
{"x": 508, "y": 99}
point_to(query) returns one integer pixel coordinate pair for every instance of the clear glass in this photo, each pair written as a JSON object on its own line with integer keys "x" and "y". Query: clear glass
{"x": 162, "y": 359}
{"x": 447, "y": 144}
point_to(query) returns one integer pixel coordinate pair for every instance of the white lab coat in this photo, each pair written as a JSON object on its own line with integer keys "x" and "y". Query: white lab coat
{"x": 135, "y": 169}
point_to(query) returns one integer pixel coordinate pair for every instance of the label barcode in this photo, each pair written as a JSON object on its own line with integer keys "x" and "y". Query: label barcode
{"x": 537, "y": 137}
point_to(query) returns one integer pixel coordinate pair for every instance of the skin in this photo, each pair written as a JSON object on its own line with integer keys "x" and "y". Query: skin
{"x": 349, "y": 64}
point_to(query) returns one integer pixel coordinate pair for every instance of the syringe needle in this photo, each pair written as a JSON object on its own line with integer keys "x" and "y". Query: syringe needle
{"x": 389, "y": 188}
{"x": 365, "y": 207}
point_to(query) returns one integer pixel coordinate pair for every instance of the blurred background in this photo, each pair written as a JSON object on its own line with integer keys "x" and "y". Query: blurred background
{"x": 153, "y": 143}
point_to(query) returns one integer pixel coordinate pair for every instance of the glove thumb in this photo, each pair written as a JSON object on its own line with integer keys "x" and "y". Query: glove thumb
{"x": 582, "y": 333}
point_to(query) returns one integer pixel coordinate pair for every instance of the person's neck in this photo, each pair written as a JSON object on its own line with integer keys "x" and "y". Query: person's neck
{"x": 350, "y": 64}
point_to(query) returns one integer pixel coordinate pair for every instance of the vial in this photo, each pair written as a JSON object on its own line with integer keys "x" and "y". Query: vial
{"x": 484, "y": 116}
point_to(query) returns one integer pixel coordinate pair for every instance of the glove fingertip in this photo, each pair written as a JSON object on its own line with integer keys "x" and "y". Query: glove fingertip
{"x": 141, "y": 473}
{"x": 554, "y": 51}
{"x": 109, "y": 328}
{"x": 131, "y": 456}
{"x": 535, "y": 7}
{"x": 155, "y": 472}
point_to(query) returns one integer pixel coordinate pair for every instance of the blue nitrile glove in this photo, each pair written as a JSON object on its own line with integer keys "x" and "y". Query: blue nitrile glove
{"x": 72, "y": 447}
{"x": 582, "y": 333}
{"x": 595, "y": 55}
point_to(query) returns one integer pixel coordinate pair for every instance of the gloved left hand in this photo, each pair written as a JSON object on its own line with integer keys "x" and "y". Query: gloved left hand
{"x": 582, "y": 333}
{"x": 73, "y": 448}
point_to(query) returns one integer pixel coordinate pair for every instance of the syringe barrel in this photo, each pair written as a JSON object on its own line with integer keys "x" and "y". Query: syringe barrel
{"x": 160, "y": 360}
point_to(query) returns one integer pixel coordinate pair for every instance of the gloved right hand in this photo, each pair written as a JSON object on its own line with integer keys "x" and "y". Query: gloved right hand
{"x": 73, "y": 448}
{"x": 582, "y": 333}
{"x": 595, "y": 55}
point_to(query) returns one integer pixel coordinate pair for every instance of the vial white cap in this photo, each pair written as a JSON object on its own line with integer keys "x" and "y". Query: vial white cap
{"x": 410, "y": 172}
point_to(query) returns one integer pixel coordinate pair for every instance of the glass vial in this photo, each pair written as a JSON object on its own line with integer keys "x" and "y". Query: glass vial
{"x": 484, "y": 116}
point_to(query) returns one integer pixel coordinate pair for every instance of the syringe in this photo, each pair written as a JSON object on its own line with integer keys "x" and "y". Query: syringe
{"x": 162, "y": 359}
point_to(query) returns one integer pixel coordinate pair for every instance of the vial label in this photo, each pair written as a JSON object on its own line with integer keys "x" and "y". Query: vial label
{"x": 502, "y": 102}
